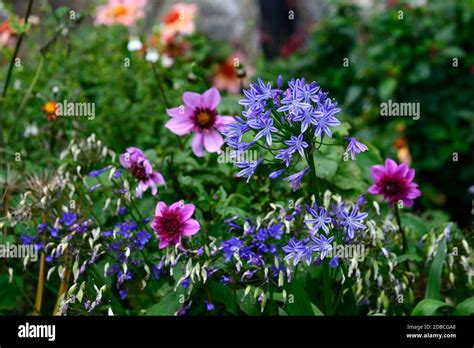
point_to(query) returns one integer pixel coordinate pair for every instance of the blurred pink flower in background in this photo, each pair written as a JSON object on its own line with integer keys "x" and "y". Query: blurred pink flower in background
{"x": 179, "y": 20}
{"x": 7, "y": 35}
{"x": 124, "y": 12}
{"x": 199, "y": 115}
{"x": 172, "y": 223}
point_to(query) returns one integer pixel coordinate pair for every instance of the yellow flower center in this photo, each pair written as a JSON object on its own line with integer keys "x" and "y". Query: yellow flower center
{"x": 119, "y": 11}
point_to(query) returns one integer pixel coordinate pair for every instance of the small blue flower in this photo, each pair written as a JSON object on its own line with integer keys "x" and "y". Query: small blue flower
{"x": 97, "y": 172}
{"x": 352, "y": 221}
{"x": 334, "y": 262}
{"x": 296, "y": 144}
{"x": 323, "y": 244}
{"x": 248, "y": 168}
{"x": 295, "y": 179}
{"x": 276, "y": 173}
{"x": 320, "y": 220}
{"x": 209, "y": 306}
{"x": 68, "y": 218}
{"x": 354, "y": 147}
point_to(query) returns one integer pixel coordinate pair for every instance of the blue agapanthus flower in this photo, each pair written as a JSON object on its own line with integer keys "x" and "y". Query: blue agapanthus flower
{"x": 288, "y": 124}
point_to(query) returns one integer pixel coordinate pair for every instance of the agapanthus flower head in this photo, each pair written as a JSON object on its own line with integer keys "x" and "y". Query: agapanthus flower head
{"x": 135, "y": 161}
{"x": 174, "y": 222}
{"x": 179, "y": 20}
{"x": 199, "y": 115}
{"x": 354, "y": 147}
{"x": 395, "y": 182}
{"x": 286, "y": 122}
{"x": 123, "y": 12}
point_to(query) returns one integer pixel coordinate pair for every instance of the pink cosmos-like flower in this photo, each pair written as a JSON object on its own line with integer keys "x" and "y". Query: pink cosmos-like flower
{"x": 136, "y": 162}
{"x": 199, "y": 115}
{"x": 394, "y": 182}
{"x": 124, "y": 12}
{"x": 173, "y": 222}
{"x": 179, "y": 20}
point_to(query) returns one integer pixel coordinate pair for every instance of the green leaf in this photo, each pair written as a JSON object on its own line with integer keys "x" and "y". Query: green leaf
{"x": 434, "y": 278}
{"x": 428, "y": 307}
{"x": 386, "y": 88}
{"x": 298, "y": 302}
{"x": 9, "y": 292}
{"x": 168, "y": 305}
{"x": 415, "y": 224}
{"x": 281, "y": 312}
{"x": 466, "y": 307}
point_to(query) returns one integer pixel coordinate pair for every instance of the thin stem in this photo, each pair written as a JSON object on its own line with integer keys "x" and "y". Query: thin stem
{"x": 160, "y": 86}
{"x": 402, "y": 231}
{"x": 40, "y": 286}
{"x": 17, "y": 48}
{"x": 327, "y": 289}
{"x": 313, "y": 178}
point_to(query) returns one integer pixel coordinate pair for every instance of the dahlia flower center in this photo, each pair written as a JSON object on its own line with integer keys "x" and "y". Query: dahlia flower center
{"x": 205, "y": 118}
{"x": 171, "y": 225}
{"x": 138, "y": 171}
{"x": 171, "y": 17}
{"x": 393, "y": 187}
{"x": 119, "y": 11}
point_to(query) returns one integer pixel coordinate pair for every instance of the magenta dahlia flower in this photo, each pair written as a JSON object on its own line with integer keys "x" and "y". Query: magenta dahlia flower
{"x": 173, "y": 222}
{"x": 135, "y": 161}
{"x": 394, "y": 182}
{"x": 199, "y": 115}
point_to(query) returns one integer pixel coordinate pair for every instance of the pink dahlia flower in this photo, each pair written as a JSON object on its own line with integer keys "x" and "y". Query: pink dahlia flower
{"x": 136, "y": 162}
{"x": 199, "y": 115}
{"x": 179, "y": 20}
{"x": 394, "y": 182}
{"x": 172, "y": 223}
{"x": 124, "y": 12}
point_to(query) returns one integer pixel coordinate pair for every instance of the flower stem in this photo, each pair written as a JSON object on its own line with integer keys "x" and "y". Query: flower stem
{"x": 402, "y": 231}
{"x": 327, "y": 289}
{"x": 17, "y": 48}
{"x": 40, "y": 286}
{"x": 313, "y": 178}
{"x": 160, "y": 86}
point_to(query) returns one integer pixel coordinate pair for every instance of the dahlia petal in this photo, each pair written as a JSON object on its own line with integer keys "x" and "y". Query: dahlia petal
{"x": 198, "y": 144}
{"x": 213, "y": 140}
{"x": 391, "y": 166}
{"x": 191, "y": 99}
{"x": 211, "y": 98}
{"x": 374, "y": 189}
{"x": 407, "y": 202}
{"x": 190, "y": 227}
{"x": 180, "y": 126}
{"x": 159, "y": 208}
{"x": 377, "y": 171}
{"x": 157, "y": 178}
{"x": 222, "y": 122}
{"x": 410, "y": 175}
{"x": 125, "y": 160}
{"x": 152, "y": 184}
{"x": 164, "y": 243}
{"x": 187, "y": 211}
{"x": 176, "y": 112}
{"x": 402, "y": 169}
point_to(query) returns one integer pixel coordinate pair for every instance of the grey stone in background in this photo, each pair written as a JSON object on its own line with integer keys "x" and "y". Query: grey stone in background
{"x": 235, "y": 22}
